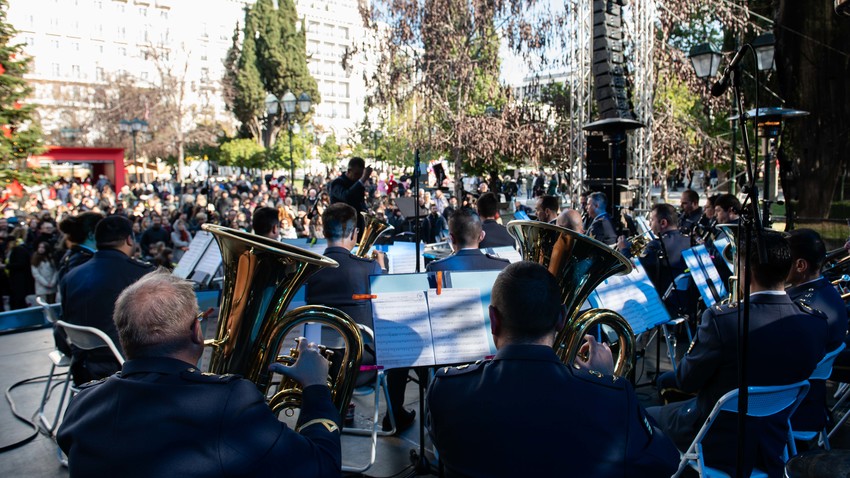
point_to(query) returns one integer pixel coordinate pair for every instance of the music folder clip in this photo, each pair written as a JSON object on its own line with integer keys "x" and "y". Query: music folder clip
{"x": 363, "y": 296}
{"x": 439, "y": 282}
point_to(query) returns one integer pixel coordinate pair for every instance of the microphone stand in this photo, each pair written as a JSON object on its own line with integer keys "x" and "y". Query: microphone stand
{"x": 417, "y": 226}
{"x": 752, "y": 225}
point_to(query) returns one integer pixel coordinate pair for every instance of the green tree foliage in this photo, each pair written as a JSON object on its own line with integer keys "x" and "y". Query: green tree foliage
{"x": 272, "y": 59}
{"x": 279, "y": 155}
{"x": 329, "y": 151}
{"x": 20, "y": 134}
{"x": 242, "y": 153}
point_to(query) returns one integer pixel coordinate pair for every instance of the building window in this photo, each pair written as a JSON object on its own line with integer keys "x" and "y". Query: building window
{"x": 122, "y": 33}
{"x": 145, "y": 75}
{"x": 75, "y": 71}
{"x": 122, "y": 51}
{"x": 54, "y": 69}
{"x": 30, "y": 41}
{"x": 343, "y": 32}
{"x": 54, "y": 44}
{"x": 99, "y": 74}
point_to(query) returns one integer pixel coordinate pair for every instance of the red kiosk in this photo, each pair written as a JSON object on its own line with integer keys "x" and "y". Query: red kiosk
{"x": 106, "y": 161}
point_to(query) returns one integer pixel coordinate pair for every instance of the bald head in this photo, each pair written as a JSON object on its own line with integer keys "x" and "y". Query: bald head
{"x": 570, "y": 219}
{"x": 155, "y": 316}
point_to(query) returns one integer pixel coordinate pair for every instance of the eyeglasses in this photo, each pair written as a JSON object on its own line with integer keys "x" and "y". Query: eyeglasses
{"x": 203, "y": 314}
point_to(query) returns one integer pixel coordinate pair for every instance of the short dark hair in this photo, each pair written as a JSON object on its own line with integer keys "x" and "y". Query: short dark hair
{"x": 665, "y": 211}
{"x": 600, "y": 199}
{"x": 77, "y": 228}
{"x": 549, "y": 202}
{"x": 778, "y": 254}
{"x": 711, "y": 201}
{"x": 465, "y": 226}
{"x": 112, "y": 231}
{"x": 488, "y": 205}
{"x": 356, "y": 162}
{"x": 690, "y": 195}
{"x": 338, "y": 220}
{"x": 807, "y": 244}
{"x": 528, "y": 300}
{"x": 728, "y": 201}
{"x": 264, "y": 220}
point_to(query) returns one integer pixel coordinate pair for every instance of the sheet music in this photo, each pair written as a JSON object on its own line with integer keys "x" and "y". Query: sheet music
{"x": 402, "y": 330}
{"x": 402, "y": 258}
{"x": 505, "y": 252}
{"x": 191, "y": 257}
{"x": 705, "y": 275}
{"x": 634, "y": 297}
{"x": 317, "y": 246}
{"x": 210, "y": 261}
{"x": 458, "y": 328}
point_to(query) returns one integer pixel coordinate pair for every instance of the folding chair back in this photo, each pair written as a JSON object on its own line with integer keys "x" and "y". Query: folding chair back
{"x": 48, "y": 311}
{"x": 89, "y": 338}
{"x": 762, "y": 402}
{"x": 824, "y": 368}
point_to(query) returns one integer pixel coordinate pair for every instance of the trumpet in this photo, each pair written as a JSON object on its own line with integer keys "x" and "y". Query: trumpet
{"x": 261, "y": 277}
{"x": 579, "y": 264}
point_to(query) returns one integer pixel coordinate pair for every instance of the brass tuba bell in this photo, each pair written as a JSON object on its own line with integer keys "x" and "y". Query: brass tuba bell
{"x": 261, "y": 276}
{"x": 371, "y": 232}
{"x": 579, "y": 264}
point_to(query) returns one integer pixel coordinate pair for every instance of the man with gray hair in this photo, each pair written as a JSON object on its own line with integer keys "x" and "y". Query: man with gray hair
{"x": 160, "y": 416}
{"x": 601, "y": 227}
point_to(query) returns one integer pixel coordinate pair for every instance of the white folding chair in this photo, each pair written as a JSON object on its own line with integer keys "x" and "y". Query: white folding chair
{"x": 763, "y": 402}
{"x": 822, "y": 372}
{"x": 57, "y": 360}
{"x": 377, "y": 387}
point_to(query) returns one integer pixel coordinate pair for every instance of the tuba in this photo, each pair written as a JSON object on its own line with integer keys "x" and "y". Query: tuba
{"x": 371, "y": 232}
{"x": 261, "y": 276}
{"x": 730, "y": 255}
{"x": 579, "y": 264}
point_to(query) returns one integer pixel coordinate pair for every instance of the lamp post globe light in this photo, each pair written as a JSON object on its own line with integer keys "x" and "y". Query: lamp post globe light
{"x": 765, "y": 47}
{"x": 133, "y": 127}
{"x": 705, "y": 60}
{"x": 289, "y": 102}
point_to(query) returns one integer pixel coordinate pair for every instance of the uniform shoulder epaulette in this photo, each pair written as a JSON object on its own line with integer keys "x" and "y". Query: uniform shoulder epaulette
{"x": 598, "y": 378}
{"x": 195, "y": 375}
{"x": 805, "y": 305}
{"x": 491, "y": 256}
{"x": 461, "y": 369}
{"x": 723, "y": 308}
{"x": 139, "y": 263}
{"x": 93, "y": 383}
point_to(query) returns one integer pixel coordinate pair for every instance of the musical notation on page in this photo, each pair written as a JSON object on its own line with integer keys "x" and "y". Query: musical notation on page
{"x": 505, "y": 252}
{"x": 402, "y": 330}
{"x": 402, "y": 258}
{"x": 634, "y": 297}
{"x": 190, "y": 259}
{"x": 457, "y": 326}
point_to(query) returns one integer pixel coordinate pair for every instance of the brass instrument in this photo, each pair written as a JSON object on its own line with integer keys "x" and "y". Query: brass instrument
{"x": 371, "y": 232}
{"x": 261, "y": 276}
{"x": 836, "y": 261}
{"x": 637, "y": 244}
{"x": 842, "y": 285}
{"x": 730, "y": 255}
{"x": 579, "y": 264}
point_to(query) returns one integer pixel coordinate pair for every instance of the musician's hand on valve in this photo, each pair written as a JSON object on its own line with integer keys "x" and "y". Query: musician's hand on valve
{"x": 595, "y": 356}
{"x": 309, "y": 369}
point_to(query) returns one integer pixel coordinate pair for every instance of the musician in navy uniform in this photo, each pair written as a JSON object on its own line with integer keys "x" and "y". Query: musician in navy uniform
{"x": 547, "y": 209}
{"x": 465, "y": 235}
{"x": 350, "y": 188}
{"x": 561, "y": 420}
{"x": 495, "y": 234}
{"x": 89, "y": 292}
{"x": 160, "y": 416}
{"x": 662, "y": 257}
{"x": 601, "y": 227}
{"x": 807, "y": 285}
{"x": 786, "y": 343}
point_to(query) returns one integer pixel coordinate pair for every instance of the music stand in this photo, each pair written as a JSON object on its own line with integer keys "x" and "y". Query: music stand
{"x": 407, "y": 206}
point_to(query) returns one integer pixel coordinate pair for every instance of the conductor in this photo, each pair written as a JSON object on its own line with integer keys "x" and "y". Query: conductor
{"x": 580, "y": 421}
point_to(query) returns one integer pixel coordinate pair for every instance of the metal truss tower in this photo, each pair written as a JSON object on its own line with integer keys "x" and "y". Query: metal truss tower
{"x": 638, "y": 23}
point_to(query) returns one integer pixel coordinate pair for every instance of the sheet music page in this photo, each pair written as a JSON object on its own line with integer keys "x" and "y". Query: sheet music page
{"x": 191, "y": 257}
{"x": 700, "y": 275}
{"x": 634, "y": 297}
{"x": 210, "y": 260}
{"x": 458, "y": 328}
{"x": 402, "y": 258}
{"x": 317, "y": 247}
{"x": 505, "y": 252}
{"x": 711, "y": 271}
{"x": 402, "y": 330}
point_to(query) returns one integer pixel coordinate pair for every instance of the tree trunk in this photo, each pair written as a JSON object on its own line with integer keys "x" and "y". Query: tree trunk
{"x": 458, "y": 175}
{"x": 814, "y": 77}
{"x": 181, "y": 159}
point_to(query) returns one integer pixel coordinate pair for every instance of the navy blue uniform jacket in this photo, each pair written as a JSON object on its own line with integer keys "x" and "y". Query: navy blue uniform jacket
{"x": 662, "y": 271}
{"x": 602, "y": 229}
{"x": 495, "y": 235}
{"x": 350, "y": 192}
{"x": 469, "y": 260}
{"x": 819, "y": 294}
{"x": 335, "y": 287}
{"x": 527, "y": 414}
{"x": 162, "y": 417}
{"x": 786, "y": 343}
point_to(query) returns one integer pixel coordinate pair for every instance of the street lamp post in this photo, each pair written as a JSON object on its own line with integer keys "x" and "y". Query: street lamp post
{"x": 289, "y": 103}
{"x": 376, "y": 138}
{"x": 705, "y": 60}
{"x": 133, "y": 127}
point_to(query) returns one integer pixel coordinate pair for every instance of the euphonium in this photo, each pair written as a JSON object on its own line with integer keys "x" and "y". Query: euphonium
{"x": 730, "y": 255}
{"x": 261, "y": 276}
{"x": 579, "y": 264}
{"x": 371, "y": 232}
